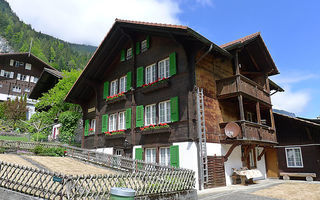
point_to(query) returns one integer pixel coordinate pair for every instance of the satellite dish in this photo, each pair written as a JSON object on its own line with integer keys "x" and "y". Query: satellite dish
{"x": 232, "y": 130}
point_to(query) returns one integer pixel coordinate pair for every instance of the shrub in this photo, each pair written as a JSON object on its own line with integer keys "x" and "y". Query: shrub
{"x": 43, "y": 151}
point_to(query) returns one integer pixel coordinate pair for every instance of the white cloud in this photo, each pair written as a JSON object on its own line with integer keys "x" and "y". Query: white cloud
{"x": 294, "y": 77}
{"x": 292, "y": 101}
{"x": 88, "y": 21}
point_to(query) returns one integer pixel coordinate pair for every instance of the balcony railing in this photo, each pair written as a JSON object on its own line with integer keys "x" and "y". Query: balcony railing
{"x": 229, "y": 87}
{"x": 251, "y": 131}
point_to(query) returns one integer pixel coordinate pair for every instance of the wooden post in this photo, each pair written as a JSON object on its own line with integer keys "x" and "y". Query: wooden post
{"x": 258, "y": 112}
{"x": 241, "y": 107}
{"x": 272, "y": 119}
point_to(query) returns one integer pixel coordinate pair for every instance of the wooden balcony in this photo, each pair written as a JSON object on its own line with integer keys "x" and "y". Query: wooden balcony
{"x": 251, "y": 132}
{"x": 239, "y": 84}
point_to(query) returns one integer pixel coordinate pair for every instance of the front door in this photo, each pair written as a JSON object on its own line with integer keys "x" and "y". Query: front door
{"x": 272, "y": 163}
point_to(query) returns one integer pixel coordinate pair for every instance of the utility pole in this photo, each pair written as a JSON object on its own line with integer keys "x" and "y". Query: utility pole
{"x": 30, "y": 47}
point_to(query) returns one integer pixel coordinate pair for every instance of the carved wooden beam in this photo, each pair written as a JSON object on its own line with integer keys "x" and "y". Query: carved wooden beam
{"x": 262, "y": 153}
{"x": 230, "y": 151}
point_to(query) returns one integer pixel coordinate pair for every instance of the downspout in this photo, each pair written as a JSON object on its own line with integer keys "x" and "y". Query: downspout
{"x": 206, "y": 53}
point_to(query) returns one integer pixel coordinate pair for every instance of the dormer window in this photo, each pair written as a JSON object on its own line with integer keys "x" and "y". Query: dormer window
{"x": 28, "y": 66}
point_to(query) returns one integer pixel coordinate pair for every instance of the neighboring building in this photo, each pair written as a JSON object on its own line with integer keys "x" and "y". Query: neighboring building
{"x": 161, "y": 71}
{"x": 48, "y": 79}
{"x": 19, "y": 74}
{"x": 299, "y": 145}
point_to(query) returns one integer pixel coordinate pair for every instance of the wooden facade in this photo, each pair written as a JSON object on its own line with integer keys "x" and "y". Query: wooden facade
{"x": 300, "y": 135}
{"x": 20, "y": 73}
{"x": 234, "y": 80}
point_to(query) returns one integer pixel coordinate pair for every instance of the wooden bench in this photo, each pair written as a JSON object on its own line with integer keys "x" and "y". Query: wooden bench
{"x": 287, "y": 175}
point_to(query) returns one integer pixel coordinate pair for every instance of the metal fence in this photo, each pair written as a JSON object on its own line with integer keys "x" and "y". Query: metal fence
{"x": 145, "y": 178}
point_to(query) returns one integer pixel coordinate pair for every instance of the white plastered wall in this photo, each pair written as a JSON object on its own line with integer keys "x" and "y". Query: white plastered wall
{"x": 261, "y": 165}
{"x": 105, "y": 150}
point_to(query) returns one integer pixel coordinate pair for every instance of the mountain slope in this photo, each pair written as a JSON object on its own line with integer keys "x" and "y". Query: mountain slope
{"x": 59, "y": 54}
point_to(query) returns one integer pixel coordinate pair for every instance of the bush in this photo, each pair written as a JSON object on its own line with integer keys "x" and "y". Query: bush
{"x": 2, "y": 149}
{"x": 43, "y": 151}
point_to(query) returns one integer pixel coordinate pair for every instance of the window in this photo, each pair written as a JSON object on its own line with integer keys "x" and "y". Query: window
{"x": 35, "y": 80}
{"x": 11, "y": 62}
{"x": 164, "y": 156}
{"x": 28, "y": 66}
{"x": 113, "y": 122}
{"x": 151, "y": 155}
{"x": 122, "y": 121}
{"x": 7, "y": 74}
{"x": 26, "y": 90}
{"x": 129, "y": 53}
{"x": 144, "y": 45}
{"x": 17, "y": 64}
{"x": 114, "y": 87}
{"x": 250, "y": 116}
{"x": 164, "y": 112}
{"x": 163, "y": 68}
{"x": 118, "y": 152}
{"x": 16, "y": 89}
{"x": 122, "y": 84}
{"x": 23, "y": 77}
{"x": 21, "y": 64}
{"x": 150, "y": 115}
{"x": 151, "y": 73}
{"x": 93, "y": 125}
{"x": 294, "y": 157}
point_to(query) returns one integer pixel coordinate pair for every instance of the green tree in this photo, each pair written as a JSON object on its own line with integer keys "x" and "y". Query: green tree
{"x": 53, "y": 107}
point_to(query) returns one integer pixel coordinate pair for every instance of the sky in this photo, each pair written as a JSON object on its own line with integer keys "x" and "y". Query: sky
{"x": 290, "y": 29}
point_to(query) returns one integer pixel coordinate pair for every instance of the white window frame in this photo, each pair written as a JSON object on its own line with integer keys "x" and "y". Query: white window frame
{"x": 144, "y": 45}
{"x": 35, "y": 79}
{"x": 167, "y": 112}
{"x": 113, "y": 122}
{"x": 129, "y": 54}
{"x": 16, "y": 89}
{"x": 151, "y": 73}
{"x": 121, "y": 121}
{"x": 11, "y": 74}
{"x": 153, "y": 114}
{"x": 28, "y": 66}
{"x": 118, "y": 152}
{"x": 294, "y": 157}
{"x": 26, "y": 90}
{"x": 11, "y": 62}
{"x": 93, "y": 125}
{"x": 114, "y": 87}
{"x": 122, "y": 84}
{"x": 166, "y": 159}
{"x": 153, "y": 155}
{"x": 164, "y": 68}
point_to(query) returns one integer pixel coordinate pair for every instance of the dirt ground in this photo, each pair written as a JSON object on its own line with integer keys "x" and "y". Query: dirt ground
{"x": 62, "y": 165}
{"x": 15, "y": 159}
{"x": 292, "y": 191}
{"x": 69, "y": 166}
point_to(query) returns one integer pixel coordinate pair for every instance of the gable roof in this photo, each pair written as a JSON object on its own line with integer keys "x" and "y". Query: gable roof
{"x": 305, "y": 121}
{"x": 28, "y": 55}
{"x": 251, "y": 39}
{"x": 115, "y": 34}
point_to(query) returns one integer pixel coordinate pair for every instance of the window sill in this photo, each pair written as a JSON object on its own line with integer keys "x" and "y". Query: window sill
{"x": 118, "y": 99}
{"x": 156, "y": 86}
{"x": 154, "y": 131}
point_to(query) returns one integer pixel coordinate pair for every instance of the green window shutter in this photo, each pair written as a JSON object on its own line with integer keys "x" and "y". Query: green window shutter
{"x": 137, "y": 48}
{"x": 105, "y": 89}
{"x": 173, "y": 64}
{"x": 129, "y": 81}
{"x": 139, "y": 116}
{"x": 139, "y": 154}
{"x": 104, "y": 123}
{"x": 174, "y": 156}
{"x": 132, "y": 52}
{"x": 86, "y": 127}
{"x": 148, "y": 41}
{"x": 123, "y": 55}
{"x": 128, "y": 118}
{"x": 174, "y": 107}
{"x": 140, "y": 76}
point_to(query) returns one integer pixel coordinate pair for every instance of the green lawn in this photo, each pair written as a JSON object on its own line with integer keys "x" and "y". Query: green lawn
{"x": 24, "y": 139}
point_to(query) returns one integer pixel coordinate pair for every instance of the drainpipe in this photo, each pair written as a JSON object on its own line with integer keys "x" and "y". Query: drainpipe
{"x": 206, "y": 53}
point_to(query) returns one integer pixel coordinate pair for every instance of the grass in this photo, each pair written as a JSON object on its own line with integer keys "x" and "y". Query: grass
{"x": 13, "y": 138}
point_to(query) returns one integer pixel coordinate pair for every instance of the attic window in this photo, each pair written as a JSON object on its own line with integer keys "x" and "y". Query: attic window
{"x": 129, "y": 53}
{"x": 144, "y": 45}
{"x": 11, "y": 62}
{"x": 28, "y": 66}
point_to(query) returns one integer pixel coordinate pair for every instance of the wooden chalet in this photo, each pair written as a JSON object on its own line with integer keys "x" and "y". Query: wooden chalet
{"x": 164, "y": 93}
{"x": 19, "y": 73}
{"x": 298, "y": 151}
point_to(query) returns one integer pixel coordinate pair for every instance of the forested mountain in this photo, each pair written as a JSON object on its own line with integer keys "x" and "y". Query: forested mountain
{"x": 59, "y": 54}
